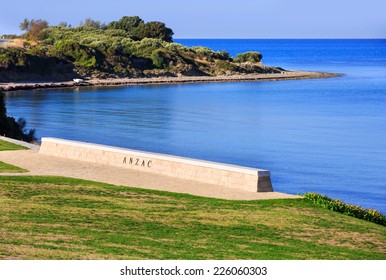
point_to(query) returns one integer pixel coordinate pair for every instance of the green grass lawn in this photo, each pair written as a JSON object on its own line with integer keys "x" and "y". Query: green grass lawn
{"x": 7, "y": 146}
{"x": 8, "y": 168}
{"x": 4, "y": 167}
{"x": 62, "y": 218}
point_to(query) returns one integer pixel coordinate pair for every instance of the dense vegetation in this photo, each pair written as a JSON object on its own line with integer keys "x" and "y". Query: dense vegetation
{"x": 347, "y": 209}
{"x": 125, "y": 48}
{"x": 9, "y": 127}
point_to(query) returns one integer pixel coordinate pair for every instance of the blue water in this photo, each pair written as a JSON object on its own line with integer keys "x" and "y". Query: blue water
{"x": 326, "y": 135}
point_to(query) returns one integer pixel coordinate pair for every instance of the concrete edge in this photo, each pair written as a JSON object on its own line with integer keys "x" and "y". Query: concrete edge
{"x": 197, "y": 162}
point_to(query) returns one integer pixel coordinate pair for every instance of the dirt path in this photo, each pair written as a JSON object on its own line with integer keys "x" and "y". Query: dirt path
{"x": 44, "y": 165}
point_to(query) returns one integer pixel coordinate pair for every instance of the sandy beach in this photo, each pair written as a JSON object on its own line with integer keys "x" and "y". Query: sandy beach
{"x": 285, "y": 75}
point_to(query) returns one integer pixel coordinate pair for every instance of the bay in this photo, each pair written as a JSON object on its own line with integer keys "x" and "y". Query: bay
{"x": 324, "y": 135}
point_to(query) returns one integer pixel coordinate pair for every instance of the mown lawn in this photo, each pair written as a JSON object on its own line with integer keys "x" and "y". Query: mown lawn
{"x": 62, "y": 218}
{"x": 7, "y": 146}
{"x": 8, "y": 168}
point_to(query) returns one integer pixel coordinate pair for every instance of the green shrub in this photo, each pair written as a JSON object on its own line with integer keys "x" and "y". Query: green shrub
{"x": 203, "y": 50}
{"x": 80, "y": 55}
{"x": 10, "y": 58}
{"x": 143, "y": 48}
{"x": 26, "y": 45}
{"x": 116, "y": 33}
{"x": 39, "y": 61}
{"x": 347, "y": 209}
{"x": 253, "y": 57}
{"x": 40, "y": 50}
{"x": 174, "y": 47}
{"x": 225, "y": 65}
{"x": 223, "y": 55}
{"x": 160, "y": 58}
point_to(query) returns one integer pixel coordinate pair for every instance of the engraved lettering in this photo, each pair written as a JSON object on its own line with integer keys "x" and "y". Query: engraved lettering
{"x": 137, "y": 162}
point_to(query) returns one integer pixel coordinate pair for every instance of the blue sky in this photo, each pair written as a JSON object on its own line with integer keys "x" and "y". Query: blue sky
{"x": 215, "y": 18}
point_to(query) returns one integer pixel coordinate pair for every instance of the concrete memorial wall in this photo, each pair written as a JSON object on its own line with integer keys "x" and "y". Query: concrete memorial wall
{"x": 225, "y": 175}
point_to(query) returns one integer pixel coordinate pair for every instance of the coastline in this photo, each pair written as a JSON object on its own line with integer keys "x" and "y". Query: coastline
{"x": 285, "y": 75}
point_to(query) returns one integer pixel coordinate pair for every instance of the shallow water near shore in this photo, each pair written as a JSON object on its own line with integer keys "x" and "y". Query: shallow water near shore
{"x": 326, "y": 135}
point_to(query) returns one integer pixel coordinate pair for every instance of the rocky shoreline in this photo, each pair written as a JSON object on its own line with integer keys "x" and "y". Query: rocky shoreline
{"x": 284, "y": 75}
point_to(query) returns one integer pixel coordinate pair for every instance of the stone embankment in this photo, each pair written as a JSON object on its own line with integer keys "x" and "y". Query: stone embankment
{"x": 285, "y": 75}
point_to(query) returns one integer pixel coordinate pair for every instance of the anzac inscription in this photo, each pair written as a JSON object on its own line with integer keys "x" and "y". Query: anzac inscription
{"x": 137, "y": 162}
{"x": 248, "y": 179}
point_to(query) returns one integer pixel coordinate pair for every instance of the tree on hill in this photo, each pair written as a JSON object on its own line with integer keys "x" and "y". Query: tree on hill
{"x": 136, "y": 27}
{"x": 64, "y": 24}
{"x": 89, "y": 22}
{"x": 34, "y": 28}
{"x": 25, "y": 25}
{"x": 154, "y": 29}
{"x": 126, "y": 23}
{"x": 9, "y": 127}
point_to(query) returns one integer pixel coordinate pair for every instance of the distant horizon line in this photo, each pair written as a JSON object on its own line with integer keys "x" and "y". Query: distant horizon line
{"x": 219, "y": 38}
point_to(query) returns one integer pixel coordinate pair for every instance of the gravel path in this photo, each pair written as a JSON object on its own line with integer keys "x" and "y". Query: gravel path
{"x": 44, "y": 165}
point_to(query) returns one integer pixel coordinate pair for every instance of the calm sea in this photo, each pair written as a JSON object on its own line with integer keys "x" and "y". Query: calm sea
{"x": 326, "y": 135}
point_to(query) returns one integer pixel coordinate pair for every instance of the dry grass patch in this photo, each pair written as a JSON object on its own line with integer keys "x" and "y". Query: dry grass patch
{"x": 17, "y": 43}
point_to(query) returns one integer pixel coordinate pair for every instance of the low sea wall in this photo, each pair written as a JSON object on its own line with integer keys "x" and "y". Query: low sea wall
{"x": 225, "y": 175}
